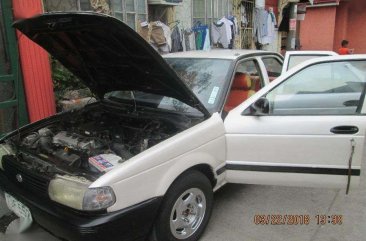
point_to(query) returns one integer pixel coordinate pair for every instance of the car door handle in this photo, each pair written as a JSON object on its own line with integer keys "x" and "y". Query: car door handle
{"x": 351, "y": 103}
{"x": 344, "y": 130}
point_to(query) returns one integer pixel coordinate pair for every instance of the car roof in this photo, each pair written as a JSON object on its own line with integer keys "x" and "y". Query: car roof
{"x": 312, "y": 52}
{"x": 232, "y": 54}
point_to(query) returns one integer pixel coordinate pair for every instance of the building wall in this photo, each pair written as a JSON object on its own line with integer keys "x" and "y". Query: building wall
{"x": 184, "y": 13}
{"x": 318, "y": 28}
{"x": 340, "y": 32}
{"x": 273, "y": 4}
{"x": 356, "y": 30}
{"x": 325, "y": 27}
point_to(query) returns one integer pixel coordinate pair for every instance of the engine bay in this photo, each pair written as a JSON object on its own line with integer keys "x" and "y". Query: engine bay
{"x": 92, "y": 141}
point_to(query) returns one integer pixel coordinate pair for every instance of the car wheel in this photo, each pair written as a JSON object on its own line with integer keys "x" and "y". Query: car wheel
{"x": 185, "y": 210}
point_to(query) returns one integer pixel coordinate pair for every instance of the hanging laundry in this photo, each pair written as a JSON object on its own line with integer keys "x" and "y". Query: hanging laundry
{"x": 223, "y": 32}
{"x": 264, "y": 27}
{"x": 285, "y": 23}
{"x": 189, "y": 40}
{"x": 200, "y": 35}
{"x": 176, "y": 40}
{"x": 166, "y": 40}
{"x": 267, "y": 39}
{"x": 160, "y": 37}
{"x": 234, "y": 30}
{"x": 235, "y": 27}
{"x": 167, "y": 35}
{"x": 228, "y": 24}
{"x": 219, "y": 35}
{"x": 207, "y": 44}
{"x": 144, "y": 31}
{"x": 157, "y": 34}
{"x": 260, "y": 25}
{"x": 273, "y": 16}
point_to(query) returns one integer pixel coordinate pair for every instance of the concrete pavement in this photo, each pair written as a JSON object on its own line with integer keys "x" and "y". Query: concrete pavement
{"x": 236, "y": 205}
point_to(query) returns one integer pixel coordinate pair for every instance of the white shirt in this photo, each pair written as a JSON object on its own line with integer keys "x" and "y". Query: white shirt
{"x": 228, "y": 25}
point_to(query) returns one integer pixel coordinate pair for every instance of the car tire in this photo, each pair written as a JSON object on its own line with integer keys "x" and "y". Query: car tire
{"x": 185, "y": 210}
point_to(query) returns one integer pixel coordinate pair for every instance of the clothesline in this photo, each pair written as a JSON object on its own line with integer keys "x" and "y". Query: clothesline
{"x": 219, "y": 33}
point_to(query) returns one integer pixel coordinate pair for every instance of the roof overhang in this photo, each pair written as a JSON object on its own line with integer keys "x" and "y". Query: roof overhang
{"x": 321, "y": 3}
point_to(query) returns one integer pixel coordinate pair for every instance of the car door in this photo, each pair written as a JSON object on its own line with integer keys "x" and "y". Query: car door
{"x": 306, "y": 128}
{"x": 293, "y": 58}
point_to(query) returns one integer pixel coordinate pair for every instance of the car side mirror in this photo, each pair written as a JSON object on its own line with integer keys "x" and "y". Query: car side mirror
{"x": 260, "y": 107}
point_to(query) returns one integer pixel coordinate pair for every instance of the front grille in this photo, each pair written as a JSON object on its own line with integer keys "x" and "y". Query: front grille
{"x": 24, "y": 178}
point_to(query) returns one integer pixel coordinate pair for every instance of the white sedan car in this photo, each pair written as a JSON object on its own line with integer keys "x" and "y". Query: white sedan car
{"x": 144, "y": 160}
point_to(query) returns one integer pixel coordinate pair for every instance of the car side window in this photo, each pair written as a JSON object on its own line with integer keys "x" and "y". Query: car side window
{"x": 273, "y": 67}
{"x": 323, "y": 89}
{"x": 298, "y": 59}
{"x": 251, "y": 68}
{"x": 247, "y": 80}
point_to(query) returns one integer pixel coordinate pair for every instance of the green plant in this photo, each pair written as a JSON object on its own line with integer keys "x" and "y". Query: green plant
{"x": 64, "y": 81}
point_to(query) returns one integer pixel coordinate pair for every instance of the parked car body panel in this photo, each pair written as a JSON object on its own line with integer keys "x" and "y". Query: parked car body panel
{"x": 301, "y": 148}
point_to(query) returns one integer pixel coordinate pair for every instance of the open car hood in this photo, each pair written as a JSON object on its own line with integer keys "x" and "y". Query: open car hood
{"x": 106, "y": 55}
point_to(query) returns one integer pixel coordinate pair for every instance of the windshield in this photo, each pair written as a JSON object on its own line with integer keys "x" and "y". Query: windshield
{"x": 207, "y": 78}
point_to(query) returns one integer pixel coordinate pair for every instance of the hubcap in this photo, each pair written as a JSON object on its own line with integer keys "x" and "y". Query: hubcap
{"x": 187, "y": 213}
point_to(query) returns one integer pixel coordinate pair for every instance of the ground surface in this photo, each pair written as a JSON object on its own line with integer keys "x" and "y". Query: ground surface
{"x": 236, "y": 205}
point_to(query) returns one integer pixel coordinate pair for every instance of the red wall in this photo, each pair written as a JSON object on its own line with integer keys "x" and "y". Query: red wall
{"x": 35, "y": 66}
{"x": 317, "y": 30}
{"x": 356, "y": 28}
{"x": 274, "y": 5}
{"x": 325, "y": 27}
{"x": 341, "y": 24}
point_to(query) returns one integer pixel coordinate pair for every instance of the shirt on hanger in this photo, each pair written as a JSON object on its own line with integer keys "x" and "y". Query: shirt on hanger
{"x": 219, "y": 34}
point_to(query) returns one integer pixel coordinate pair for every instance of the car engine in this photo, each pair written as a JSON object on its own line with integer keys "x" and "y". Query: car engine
{"x": 79, "y": 143}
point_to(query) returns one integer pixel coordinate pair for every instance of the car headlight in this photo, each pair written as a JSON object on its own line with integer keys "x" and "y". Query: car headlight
{"x": 5, "y": 149}
{"x": 74, "y": 192}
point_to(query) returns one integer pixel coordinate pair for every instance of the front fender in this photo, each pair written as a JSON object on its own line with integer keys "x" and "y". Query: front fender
{"x": 211, "y": 155}
{"x": 150, "y": 173}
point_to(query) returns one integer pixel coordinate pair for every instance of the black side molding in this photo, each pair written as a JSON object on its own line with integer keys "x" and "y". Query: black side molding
{"x": 221, "y": 170}
{"x": 292, "y": 169}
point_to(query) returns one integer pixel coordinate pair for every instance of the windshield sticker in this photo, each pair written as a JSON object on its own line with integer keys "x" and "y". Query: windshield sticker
{"x": 213, "y": 95}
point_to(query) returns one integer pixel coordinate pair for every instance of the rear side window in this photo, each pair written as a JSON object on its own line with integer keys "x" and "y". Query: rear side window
{"x": 273, "y": 67}
{"x": 298, "y": 59}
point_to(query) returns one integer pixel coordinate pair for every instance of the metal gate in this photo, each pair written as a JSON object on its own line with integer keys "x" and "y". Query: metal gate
{"x": 12, "y": 105}
{"x": 244, "y": 12}
{"x": 247, "y": 26}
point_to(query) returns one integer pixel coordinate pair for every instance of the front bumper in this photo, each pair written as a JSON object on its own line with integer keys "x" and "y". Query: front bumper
{"x": 132, "y": 223}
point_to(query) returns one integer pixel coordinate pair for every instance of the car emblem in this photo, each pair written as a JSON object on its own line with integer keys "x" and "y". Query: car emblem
{"x": 19, "y": 178}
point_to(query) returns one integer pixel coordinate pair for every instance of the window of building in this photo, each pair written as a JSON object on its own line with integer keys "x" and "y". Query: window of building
{"x": 129, "y": 11}
{"x": 207, "y": 11}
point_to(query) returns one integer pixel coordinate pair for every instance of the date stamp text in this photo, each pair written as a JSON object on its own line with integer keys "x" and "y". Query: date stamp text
{"x": 297, "y": 219}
